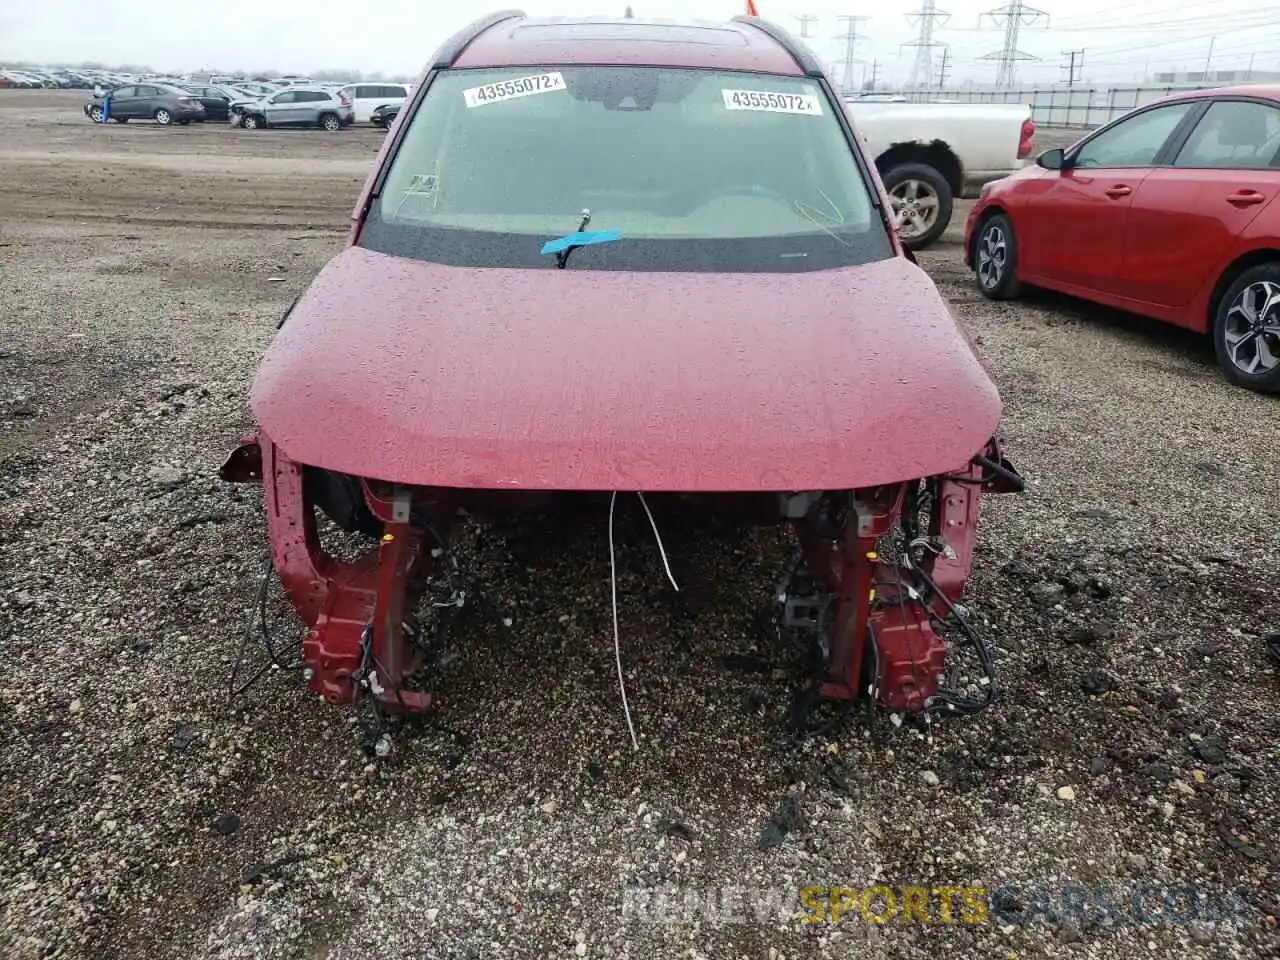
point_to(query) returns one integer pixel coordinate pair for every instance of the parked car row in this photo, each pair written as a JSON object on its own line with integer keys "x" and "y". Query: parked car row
{"x": 44, "y": 79}
{"x": 250, "y": 105}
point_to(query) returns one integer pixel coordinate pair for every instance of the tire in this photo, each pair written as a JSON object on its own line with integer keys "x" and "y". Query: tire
{"x": 163, "y": 117}
{"x": 252, "y": 121}
{"x": 95, "y": 114}
{"x": 331, "y": 122}
{"x": 995, "y": 259}
{"x": 909, "y": 184}
{"x": 1237, "y": 337}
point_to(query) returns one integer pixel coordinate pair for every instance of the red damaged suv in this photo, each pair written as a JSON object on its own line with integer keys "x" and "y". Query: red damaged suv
{"x": 611, "y": 259}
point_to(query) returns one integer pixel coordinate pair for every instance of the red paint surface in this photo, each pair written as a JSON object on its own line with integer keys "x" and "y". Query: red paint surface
{"x": 416, "y": 373}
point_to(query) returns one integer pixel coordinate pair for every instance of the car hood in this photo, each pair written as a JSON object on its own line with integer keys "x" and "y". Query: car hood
{"x": 418, "y": 373}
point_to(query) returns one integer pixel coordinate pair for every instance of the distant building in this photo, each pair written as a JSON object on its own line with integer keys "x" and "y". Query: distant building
{"x": 1215, "y": 77}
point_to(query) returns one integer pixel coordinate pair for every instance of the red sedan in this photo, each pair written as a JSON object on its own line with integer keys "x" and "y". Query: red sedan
{"x": 1167, "y": 212}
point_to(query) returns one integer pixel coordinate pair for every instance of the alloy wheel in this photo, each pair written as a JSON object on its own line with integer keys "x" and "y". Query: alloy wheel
{"x": 993, "y": 251}
{"x": 1252, "y": 328}
{"x": 915, "y": 208}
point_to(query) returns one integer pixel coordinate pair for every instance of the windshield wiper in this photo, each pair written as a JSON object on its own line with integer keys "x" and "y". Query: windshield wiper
{"x": 565, "y": 245}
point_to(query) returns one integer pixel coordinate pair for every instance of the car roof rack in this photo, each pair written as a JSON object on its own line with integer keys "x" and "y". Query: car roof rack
{"x": 804, "y": 57}
{"x": 453, "y": 48}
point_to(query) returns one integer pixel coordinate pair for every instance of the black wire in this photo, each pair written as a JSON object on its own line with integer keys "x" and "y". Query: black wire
{"x": 267, "y": 641}
{"x": 987, "y": 662}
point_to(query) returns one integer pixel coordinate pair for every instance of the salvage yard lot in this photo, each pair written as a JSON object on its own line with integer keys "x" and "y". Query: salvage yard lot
{"x": 144, "y": 271}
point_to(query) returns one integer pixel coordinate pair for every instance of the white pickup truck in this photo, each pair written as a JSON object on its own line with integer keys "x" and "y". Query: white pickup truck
{"x": 930, "y": 153}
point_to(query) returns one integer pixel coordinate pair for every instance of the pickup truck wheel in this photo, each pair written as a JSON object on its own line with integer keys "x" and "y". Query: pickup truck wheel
{"x": 1246, "y": 329}
{"x": 995, "y": 259}
{"x": 922, "y": 203}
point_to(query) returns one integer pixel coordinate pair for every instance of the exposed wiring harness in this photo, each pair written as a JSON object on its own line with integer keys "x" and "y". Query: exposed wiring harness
{"x": 258, "y": 620}
{"x": 921, "y": 500}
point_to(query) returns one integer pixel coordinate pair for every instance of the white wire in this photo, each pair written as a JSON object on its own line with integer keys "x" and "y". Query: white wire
{"x": 613, "y": 589}
{"x": 617, "y": 639}
{"x": 657, "y": 536}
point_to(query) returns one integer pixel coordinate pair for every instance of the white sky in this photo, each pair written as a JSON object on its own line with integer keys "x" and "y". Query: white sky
{"x": 1122, "y": 39}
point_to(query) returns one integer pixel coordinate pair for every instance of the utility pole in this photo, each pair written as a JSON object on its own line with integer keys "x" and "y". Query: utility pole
{"x": 924, "y": 44}
{"x": 850, "y": 38}
{"x": 1208, "y": 59}
{"x": 944, "y": 67}
{"x": 870, "y": 84}
{"x": 1075, "y": 66}
{"x": 806, "y": 21}
{"x": 1013, "y": 17}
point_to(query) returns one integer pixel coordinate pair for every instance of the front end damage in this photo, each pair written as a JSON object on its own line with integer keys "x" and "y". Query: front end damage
{"x": 874, "y": 597}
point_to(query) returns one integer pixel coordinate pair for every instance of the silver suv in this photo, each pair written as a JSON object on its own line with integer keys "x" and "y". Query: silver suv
{"x": 298, "y": 107}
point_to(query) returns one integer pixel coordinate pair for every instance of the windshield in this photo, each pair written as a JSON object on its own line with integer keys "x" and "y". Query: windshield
{"x": 694, "y": 169}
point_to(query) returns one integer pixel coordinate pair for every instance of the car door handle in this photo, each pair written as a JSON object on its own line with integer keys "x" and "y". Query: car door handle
{"x": 1245, "y": 198}
{"x": 1118, "y": 191}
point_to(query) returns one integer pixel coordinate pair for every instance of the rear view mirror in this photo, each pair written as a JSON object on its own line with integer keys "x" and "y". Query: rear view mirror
{"x": 1055, "y": 159}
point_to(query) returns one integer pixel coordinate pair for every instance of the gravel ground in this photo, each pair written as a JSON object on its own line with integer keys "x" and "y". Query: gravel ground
{"x": 1126, "y": 591}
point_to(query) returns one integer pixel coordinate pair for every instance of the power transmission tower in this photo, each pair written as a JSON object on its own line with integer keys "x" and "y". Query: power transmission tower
{"x": 850, "y": 38}
{"x": 875, "y": 74}
{"x": 922, "y": 68}
{"x": 1074, "y": 67}
{"x": 806, "y": 21}
{"x": 1013, "y": 17}
{"x": 944, "y": 67}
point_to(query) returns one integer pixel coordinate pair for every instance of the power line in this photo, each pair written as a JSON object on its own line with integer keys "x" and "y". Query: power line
{"x": 922, "y": 68}
{"x": 850, "y": 38}
{"x": 1015, "y": 16}
{"x": 1253, "y": 27}
{"x": 1075, "y": 66}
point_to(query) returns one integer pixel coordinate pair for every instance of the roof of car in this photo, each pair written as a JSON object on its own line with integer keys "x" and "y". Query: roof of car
{"x": 1267, "y": 91}
{"x": 517, "y": 40}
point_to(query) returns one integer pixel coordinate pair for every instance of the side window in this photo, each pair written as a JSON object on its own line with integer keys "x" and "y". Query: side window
{"x": 123, "y": 92}
{"x": 362, "y": 92}
{"x": 393, "y": 92}
{"x": 314, "y": 96}
{"x": 1133, "y": 142}
{"x": 285, "y": 97}
{"x": 1233, "y": 133}
{"x": 146, "y": 91}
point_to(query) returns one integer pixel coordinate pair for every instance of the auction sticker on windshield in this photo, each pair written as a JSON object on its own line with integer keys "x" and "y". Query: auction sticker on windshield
{"x": 805, "y": 103}
{"x": 511, "y": 89}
